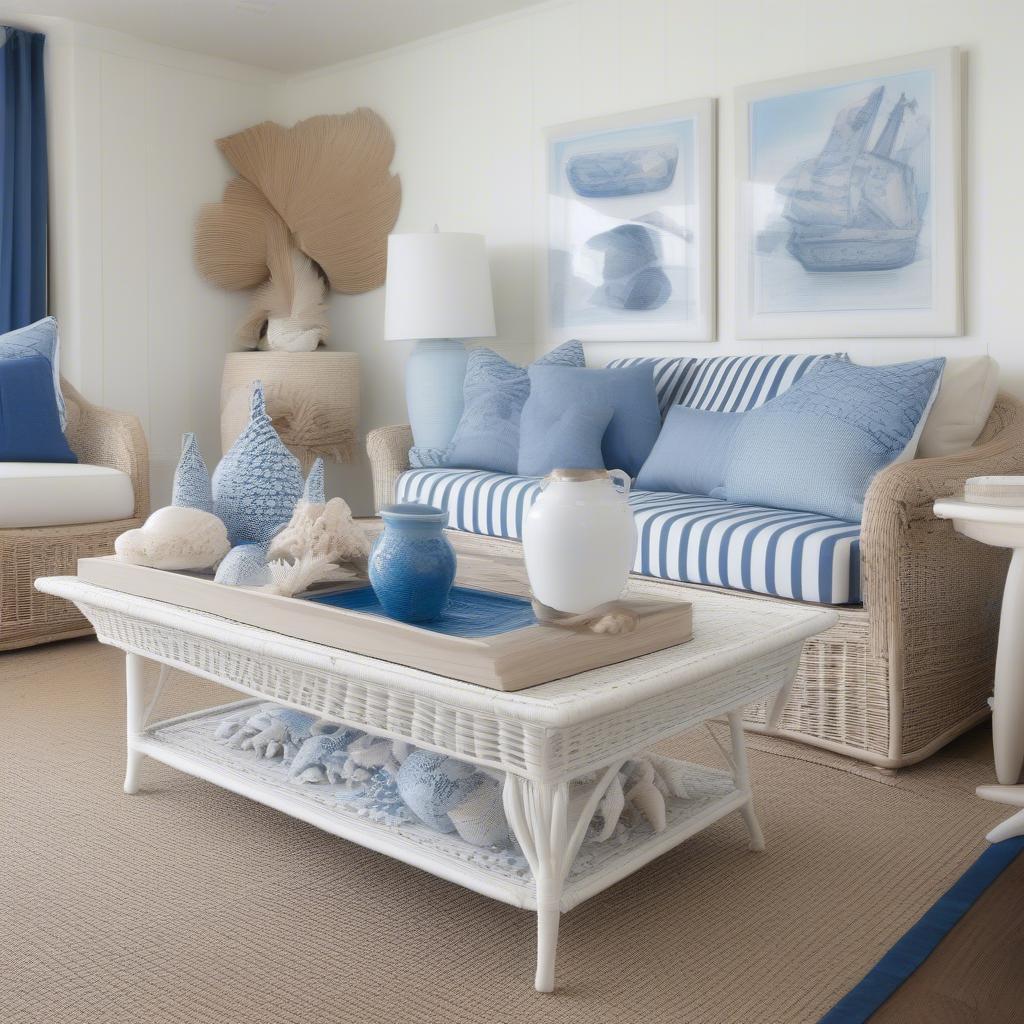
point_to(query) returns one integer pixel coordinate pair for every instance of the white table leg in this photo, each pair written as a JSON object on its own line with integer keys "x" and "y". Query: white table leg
{"x": 741, "y": 777}
{"x": 135, "y": 683}
{"x": 1013, "y": 795}
{"x": 1008, "y": 705}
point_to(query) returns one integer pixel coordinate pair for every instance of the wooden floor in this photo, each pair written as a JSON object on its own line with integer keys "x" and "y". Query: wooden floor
{"x": 977, "y": 972}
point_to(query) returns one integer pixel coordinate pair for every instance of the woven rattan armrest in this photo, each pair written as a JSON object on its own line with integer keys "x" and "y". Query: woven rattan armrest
{"x": 910, "y": 557}
{"x": 388, "y": 449}
{"x": 103, "y": 437}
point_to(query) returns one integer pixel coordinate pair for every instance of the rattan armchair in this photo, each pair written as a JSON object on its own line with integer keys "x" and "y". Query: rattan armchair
{"x": 98, "y": 437}
{"x": 910, "y": 669}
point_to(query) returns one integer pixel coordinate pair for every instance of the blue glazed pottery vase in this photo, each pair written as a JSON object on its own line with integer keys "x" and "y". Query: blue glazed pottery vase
{"x": 412, "y": 564}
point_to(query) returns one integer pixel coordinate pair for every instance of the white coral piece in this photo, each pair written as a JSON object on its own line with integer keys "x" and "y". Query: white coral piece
{"x": 324, "y": 531}
{"x": 175, "y": 538}
{"x": 291, "y": 578}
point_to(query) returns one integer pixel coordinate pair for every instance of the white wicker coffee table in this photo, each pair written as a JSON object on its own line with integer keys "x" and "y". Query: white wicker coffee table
{"x": 542, "y": 738}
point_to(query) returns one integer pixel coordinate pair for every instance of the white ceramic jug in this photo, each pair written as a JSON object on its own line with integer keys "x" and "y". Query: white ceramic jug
{"x": 579, "y": 539}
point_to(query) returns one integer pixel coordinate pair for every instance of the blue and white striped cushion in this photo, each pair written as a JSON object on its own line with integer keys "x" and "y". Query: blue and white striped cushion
{"x": 724, "y": 383}
{"x": 681, "y": 536}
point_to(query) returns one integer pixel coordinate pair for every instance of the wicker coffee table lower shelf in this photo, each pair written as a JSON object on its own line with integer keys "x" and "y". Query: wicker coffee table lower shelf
{"x": 188, "y": 744}
{"x": 558, "y": 746}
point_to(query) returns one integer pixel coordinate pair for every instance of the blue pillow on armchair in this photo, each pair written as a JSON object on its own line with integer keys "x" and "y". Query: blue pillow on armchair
{"x": 29, "y": 422}
{"x": 38, "y": 339}
{"x": 817, "y": 447}
{"x": 495, "y": 391}
{"x": 628, "y": 391}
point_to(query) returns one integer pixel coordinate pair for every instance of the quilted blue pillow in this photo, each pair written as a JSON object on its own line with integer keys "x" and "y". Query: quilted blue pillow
{"x": 29, "y": 425}
{"x": 495, "y": 391}
{"x": 817, "y": 447}
{"x": 628, "y": 391}
{"x": 38, "y": 339}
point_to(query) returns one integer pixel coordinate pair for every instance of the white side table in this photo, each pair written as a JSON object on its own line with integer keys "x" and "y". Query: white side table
{"x": 1002, "y": 526}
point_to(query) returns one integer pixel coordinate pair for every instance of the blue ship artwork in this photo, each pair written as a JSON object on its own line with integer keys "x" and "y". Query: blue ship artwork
{"x": 623, "y": 215}
{"x": 847, "y": 226}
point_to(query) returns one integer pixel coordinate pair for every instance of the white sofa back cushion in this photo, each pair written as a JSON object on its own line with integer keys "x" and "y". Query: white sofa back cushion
{"x": 963, "y": 405}
{"x": 62, "y": 494}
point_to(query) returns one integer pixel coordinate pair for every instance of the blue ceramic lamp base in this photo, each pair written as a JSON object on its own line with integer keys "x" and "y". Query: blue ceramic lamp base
{"x": 434, "y": 377}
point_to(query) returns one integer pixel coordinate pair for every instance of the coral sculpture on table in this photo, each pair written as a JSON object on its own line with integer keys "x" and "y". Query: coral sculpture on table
{"x": 312, "y": 204}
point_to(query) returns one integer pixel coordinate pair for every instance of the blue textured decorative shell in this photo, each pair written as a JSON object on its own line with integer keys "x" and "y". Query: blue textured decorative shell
{"x": 314, "y": 490}
{"x": 433, "y": 784}
{"x": 245, "y": 565}
{"x": 192, "y": 478}
{"x": 258, "y": 482}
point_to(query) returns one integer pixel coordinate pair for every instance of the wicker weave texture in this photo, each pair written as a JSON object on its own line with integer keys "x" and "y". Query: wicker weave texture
{"x": 99, "y": 437}
{"x": 896, "y": 679}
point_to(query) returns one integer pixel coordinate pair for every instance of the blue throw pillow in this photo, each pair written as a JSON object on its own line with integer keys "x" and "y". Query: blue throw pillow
{"x": 38, "y": 339}
{"x": 630, "y": 393}
{"x": 691, "y": 452}
{"x": 561, "y": 435}
{"x": 495, "y": 391}
{"x": 817, "y": 447}
{"x": 29, "y": 424}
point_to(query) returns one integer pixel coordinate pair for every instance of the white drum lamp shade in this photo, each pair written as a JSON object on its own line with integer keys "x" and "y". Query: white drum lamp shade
{"x": 438, "y": 286}
{"x": 438, "y": 292}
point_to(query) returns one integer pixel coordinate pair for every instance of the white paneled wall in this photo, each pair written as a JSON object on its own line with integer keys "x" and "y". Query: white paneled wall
{"x": 141, "y": 330}
{"x": 468, "y": 110}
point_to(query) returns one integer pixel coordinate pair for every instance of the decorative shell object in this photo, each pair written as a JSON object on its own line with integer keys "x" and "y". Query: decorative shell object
{"x": 244, "y": 566}
{"x": 258, "y": 482}
{"x": 192, "y": 478}
{"x": 325, "y": 530}
{"x": 175, "y": 538}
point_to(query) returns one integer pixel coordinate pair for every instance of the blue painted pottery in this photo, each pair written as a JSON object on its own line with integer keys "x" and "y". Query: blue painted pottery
{"x": 412, "y": 564}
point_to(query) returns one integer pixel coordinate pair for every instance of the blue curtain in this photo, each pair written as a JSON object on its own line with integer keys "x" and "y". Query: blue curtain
{"x": 23, "y": 179}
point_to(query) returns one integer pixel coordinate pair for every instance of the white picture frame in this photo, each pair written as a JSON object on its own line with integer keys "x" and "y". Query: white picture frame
{"x": 664, "y": 237}
{"x": 835, "y": 171}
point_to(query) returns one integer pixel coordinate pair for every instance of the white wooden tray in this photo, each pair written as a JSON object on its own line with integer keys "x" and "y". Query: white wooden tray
{"x": 512, "y": 660}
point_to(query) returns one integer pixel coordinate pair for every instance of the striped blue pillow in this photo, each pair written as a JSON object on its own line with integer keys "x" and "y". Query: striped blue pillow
{"x": 725, "y": 383}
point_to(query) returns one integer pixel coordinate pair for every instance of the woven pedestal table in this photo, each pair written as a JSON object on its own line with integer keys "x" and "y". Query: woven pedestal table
{"x": 312, "y": 398}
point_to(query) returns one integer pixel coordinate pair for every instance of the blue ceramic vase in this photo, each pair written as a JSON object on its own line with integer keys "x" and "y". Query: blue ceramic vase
{"x": 412, "y": 564}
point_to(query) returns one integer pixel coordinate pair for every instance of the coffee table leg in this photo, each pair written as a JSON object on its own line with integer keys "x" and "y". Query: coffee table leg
{"x": 741, "y": 776}
{"x": 135, "y": 685}
{"x": 537, "y": 813}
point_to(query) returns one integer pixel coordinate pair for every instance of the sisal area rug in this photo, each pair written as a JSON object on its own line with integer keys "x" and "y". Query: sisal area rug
{"x": 186, "y": 904}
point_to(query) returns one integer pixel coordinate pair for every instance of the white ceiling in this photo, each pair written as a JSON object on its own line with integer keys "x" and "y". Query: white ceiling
{"x": 284, "y": 35}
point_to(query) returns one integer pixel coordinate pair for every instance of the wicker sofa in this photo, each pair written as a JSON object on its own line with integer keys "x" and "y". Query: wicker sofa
{"x": 98, "y": 437}
{"x": 911, "y": 668}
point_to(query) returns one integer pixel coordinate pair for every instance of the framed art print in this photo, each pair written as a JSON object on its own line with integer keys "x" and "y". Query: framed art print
{"x": 631, "y": 226}
{"x": 849, "y": 202}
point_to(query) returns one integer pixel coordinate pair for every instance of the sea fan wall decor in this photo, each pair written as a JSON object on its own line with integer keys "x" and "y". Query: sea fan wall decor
{"x": 320, "y": 191}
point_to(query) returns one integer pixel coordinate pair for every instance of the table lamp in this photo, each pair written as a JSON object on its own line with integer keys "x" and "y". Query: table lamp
{"x": 438, "y": 292}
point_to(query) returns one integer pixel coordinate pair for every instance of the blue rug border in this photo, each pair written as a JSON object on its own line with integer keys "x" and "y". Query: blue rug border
{"x": 919, "y": 942}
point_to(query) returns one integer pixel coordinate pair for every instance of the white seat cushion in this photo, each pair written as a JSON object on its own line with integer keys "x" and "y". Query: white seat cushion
{"x": 62, "y": 494}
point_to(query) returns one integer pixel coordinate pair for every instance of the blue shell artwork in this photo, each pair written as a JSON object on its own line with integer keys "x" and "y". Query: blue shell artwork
{"x": 632, "y": 274}
{"x": 623, "y": 172}
{"x": 433, "y": 784}
{"x": 258, "y": 482}
{"x": 245, "y": 565}
{"x": 192, "y": 479}
{"x": 314, "y": 490}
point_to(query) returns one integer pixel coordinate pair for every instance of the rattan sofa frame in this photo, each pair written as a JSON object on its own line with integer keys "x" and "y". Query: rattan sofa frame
{"x": 912, "y": 668}
{"x": 99, "y": 437}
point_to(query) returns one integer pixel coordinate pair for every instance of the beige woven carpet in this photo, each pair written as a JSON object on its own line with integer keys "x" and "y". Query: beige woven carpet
{"x": 189, "y": 904}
